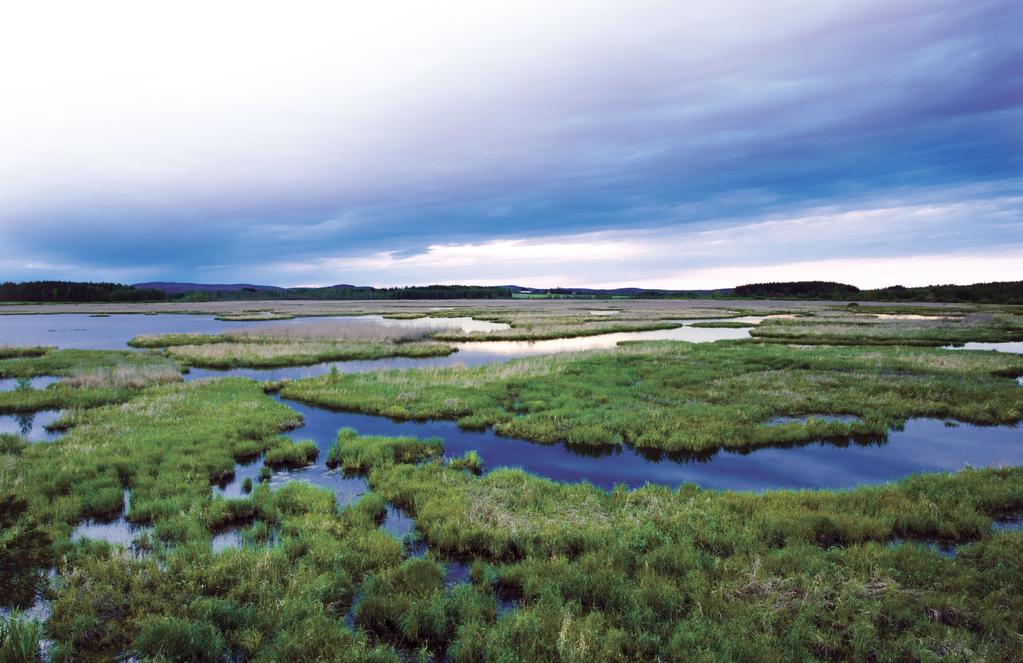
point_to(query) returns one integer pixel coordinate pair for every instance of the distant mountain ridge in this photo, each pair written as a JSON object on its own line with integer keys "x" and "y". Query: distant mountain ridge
{"x": 999, "y": 292}
{"x": 177, "y": 288}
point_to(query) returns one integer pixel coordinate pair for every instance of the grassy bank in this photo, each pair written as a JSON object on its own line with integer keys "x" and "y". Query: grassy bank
{"x": 895, "y": 328}
{"x": 88, "y": 378}
{"x": 297, "y": 353}
{"x": 296, "y": 345}
{"x": 690, "y": 397}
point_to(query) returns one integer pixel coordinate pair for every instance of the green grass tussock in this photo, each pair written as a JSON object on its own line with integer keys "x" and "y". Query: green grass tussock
{"x": 357, "y": 454}
{"x": 15, "y": 351}
{"x": 470, "y": 460}
{"x": 286, "y": 453}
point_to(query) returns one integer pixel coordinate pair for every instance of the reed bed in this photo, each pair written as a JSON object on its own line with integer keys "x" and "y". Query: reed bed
{"x": 123, "y": 377}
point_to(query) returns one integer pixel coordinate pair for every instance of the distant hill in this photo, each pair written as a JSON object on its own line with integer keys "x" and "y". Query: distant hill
{"x": 175, "y": 288}
{"x": 798, "y": 290}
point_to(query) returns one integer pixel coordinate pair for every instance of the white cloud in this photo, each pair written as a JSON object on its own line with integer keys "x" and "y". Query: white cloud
{"x": 868, "y": 247}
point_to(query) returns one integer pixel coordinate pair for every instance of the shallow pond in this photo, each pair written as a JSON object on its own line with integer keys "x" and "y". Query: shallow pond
{"x": 79, "y": 330}
{"x": 31, "y": 425}
{"x": 1015, "y": 347}
{"x": 41, "y": 382}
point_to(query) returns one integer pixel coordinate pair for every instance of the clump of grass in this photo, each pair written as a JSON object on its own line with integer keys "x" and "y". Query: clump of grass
{"x": 357, "y": 454}
{"x": 11, "y": 351}
{"x": 286, "y": 453}
{"x": 173, "y": 638}
{"x": 20, "y": 639}
{"x": 124, "y": 376}
{"x": 12, "y": 444}
{"x": 25, "y": 548}
{"x": 469, "y": 461}
{"x": 407, "y": 605}
{"x": 247, "y": 485}
{"x": 171, "y": 340}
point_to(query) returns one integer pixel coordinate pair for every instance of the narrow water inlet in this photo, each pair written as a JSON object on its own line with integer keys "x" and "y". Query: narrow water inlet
{"x": 923, "y": 445}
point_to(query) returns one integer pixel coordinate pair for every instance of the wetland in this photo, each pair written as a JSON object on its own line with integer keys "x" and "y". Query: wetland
{"x": 527, "y": 481}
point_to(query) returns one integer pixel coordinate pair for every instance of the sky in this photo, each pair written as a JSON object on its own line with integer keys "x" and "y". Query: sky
{"x": 556, "y": 143}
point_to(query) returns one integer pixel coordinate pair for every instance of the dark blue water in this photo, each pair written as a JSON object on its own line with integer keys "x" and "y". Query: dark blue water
{"x": 924, "y": 445}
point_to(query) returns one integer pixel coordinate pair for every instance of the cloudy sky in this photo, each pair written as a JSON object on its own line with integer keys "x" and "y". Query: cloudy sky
{"x": 554, "y": 143}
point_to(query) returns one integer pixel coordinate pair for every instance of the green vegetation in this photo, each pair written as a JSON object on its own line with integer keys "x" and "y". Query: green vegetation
{"x": 656, "y": 574}
{"x": 797, "y": 290}
{"x": 294, "y": 346}
{"x": 690, "y": 397}
{"x": 12, "y": 351}
{"x": 470, "y": 460}
{"x": 90, "y": 378}
{"x": 180, "y": 601}
{"x": 171, "y": 340}
{"x": 355, "y": 454}
{"x": 291, "y": 454}
{"x": 20, "y": 639}
{"x": 999, "y": 292}
{"x": 297, "y": 353}
{"x": 559, "y": 572}
{"x": 880, "y": 327}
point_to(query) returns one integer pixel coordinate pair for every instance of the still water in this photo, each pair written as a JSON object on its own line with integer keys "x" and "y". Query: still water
{"x": 77, "y": 330}
{"x": 924, "y": 445}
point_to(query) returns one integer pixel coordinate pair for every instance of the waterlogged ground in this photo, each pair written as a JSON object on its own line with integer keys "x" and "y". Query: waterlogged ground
{"x": 509, "y": 566}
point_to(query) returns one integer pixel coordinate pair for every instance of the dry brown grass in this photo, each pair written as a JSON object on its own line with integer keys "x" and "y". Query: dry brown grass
{"x": 355, "y": 330}
{"x": 123, "y": 377}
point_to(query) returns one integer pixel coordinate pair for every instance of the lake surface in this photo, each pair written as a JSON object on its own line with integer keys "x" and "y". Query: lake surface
{"x": 79, "y": 330}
